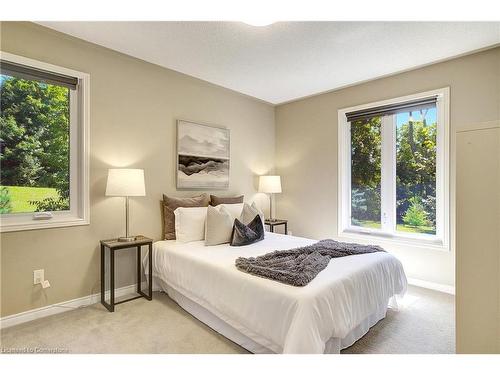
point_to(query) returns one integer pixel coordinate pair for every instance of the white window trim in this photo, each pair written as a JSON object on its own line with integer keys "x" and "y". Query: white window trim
{"x": 79, "y": 212}
{"x": 442, "y": 239}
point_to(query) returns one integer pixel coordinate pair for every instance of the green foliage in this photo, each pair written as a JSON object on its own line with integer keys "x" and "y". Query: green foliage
{"x": 415, "y": 216}
{"x": 51, "y": 204}
{"x": 34, "y": 126}
{"x": 416, "y": 167}
{"x": 358, "y": 204}
{"x": 366, "y": 159}
{"x": 5, "y": 205}
{"x": 21, "y": 196}
{"x": 415, "y": 170}
{"x": 429, "y": 204}
{"x": 366, "y": 166}
{"x": 358, "y": 200}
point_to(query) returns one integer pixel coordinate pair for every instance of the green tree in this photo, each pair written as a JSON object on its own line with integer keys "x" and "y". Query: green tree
{"x": 416, "y": 167}
{"x": 366, "y": 168}
{"x": 34, "y": 126}
{"x": 51, "y": 204}
{"x": 415, "y": 216}
{"x": 366, "y": 152}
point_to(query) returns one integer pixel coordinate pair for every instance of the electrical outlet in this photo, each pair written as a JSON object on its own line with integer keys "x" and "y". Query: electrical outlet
{"x": 38, "y": 276}
{"x": 290, "y": 233}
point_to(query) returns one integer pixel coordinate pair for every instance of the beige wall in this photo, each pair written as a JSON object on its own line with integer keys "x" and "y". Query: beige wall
{"x": 306, "y": 158}
{"x": 306, "y": 146}
{"x": 134, "y": 105}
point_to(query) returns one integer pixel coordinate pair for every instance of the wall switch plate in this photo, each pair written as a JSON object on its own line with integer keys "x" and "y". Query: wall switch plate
{"x": 38, "y": 276}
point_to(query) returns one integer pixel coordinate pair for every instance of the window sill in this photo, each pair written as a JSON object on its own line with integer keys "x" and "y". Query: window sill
{"x": 386, "y": 239}
{"x": 5, "y": 226}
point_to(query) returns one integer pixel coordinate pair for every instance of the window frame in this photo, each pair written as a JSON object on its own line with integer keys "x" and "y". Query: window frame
{"x": 441, "y": 240}
{"x": 79, "y": 212}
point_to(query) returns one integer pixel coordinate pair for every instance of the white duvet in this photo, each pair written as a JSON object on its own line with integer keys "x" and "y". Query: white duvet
{"x": 283, "y": 318}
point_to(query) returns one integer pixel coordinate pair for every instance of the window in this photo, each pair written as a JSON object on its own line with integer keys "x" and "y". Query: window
{"x": 43, "y": 144}
{"x": 393, "y": 169}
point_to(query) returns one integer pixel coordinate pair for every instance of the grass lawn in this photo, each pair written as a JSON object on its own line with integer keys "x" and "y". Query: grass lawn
{"x": 399, "y": 227}
{"x": 21, "y": 195}
{"x": 422, "y": 229}
{"x": 368, "y": 224}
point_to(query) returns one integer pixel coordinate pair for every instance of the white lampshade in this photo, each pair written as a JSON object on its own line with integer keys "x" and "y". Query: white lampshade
{"x": 270, "y": 184}
{"x": 125, "y": 183}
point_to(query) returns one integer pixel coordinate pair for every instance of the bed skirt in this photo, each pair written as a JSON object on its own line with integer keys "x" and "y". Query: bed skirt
{"x": 243, "y": 337}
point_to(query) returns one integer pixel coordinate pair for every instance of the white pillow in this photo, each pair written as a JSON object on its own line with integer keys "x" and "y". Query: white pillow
{"x": 219, "y": 226}
{"x": 249, "y": 212}
{"x": 190, "y": 223}
{"x": 234, "y": 209}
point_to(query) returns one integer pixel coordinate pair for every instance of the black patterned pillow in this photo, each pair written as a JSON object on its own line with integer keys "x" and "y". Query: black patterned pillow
{"x": 247, "y": 234}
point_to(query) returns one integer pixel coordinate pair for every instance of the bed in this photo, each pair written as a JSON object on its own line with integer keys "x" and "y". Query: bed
{"x": 264, "y": 316}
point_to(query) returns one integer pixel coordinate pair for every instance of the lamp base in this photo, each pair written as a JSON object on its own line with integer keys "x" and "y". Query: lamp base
{"x": 126, "y": 239}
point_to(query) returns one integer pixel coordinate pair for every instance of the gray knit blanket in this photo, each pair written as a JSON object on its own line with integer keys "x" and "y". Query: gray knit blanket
{"x": 299, "y": 266}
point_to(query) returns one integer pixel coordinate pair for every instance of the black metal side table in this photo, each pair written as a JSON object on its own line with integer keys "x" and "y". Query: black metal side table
{"x": 114, "y": 245}
{"x": 275, "y": 222}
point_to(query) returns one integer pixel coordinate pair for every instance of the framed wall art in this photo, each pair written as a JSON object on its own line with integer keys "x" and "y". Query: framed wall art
{"x": 203, "y": 155}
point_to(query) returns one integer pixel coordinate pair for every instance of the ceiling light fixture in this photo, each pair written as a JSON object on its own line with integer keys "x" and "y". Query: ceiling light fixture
{"x": 259, "y": 22}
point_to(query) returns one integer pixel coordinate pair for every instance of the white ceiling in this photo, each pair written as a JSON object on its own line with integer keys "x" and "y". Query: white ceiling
{"x": 287, "y": 60}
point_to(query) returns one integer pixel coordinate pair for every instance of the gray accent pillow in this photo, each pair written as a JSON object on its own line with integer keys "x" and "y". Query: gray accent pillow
{"x": 247, "y": 234}
{"x": 248, "y": 214}
{"x": 215, "y": 200}
{"x": 169, "y": 206}
{"x": 218, "y": 227}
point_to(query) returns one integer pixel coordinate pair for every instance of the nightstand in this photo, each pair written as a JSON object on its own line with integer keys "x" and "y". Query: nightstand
{"x": 114, "y": 245}
{"x": 275, "y": 222}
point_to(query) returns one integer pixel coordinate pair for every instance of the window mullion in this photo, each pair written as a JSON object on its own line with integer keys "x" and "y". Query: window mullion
{"x": 388, "y": 174}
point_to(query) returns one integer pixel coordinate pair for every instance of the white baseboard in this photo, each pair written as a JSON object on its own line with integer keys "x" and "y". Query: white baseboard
{"x": 26, "y": 316}
{"x": 434, "y": 286}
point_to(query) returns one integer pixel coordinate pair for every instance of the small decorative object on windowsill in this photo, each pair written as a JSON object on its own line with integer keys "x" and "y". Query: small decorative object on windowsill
{"x": 270, "y": 185}
{"x": 126, "y": 183}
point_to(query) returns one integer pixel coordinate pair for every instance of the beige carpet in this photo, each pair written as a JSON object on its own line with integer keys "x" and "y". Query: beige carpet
{"x": 424, "y": 324}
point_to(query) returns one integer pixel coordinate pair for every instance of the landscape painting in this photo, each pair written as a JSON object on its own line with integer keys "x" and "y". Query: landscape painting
{"x": 202, "y": 156}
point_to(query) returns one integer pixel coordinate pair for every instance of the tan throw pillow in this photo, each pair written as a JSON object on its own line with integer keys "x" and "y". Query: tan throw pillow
{"x": 215, "y": 200}
{"x": 170, "y": 204}
{"x": 249, "y": 212}
{"x": 219, "y": 226}
{"x": 234, "y": 209}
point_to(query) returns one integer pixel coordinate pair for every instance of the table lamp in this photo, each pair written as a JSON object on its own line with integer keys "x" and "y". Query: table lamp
{"x": 270, "y": 185}
{"x": 126, "y": 183}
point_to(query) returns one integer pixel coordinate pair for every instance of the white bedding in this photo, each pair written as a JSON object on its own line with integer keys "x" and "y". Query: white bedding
{"x": 283, "y": 318}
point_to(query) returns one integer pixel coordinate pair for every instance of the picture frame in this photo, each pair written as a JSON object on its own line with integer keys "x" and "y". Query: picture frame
{"x": 202, "y": 157}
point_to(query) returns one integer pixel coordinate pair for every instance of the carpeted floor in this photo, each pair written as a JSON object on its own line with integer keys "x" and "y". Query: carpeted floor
{"x": 423, "y": 324}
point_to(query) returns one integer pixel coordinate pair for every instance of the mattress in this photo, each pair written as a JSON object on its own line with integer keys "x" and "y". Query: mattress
{"x": 351, "y": 292}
